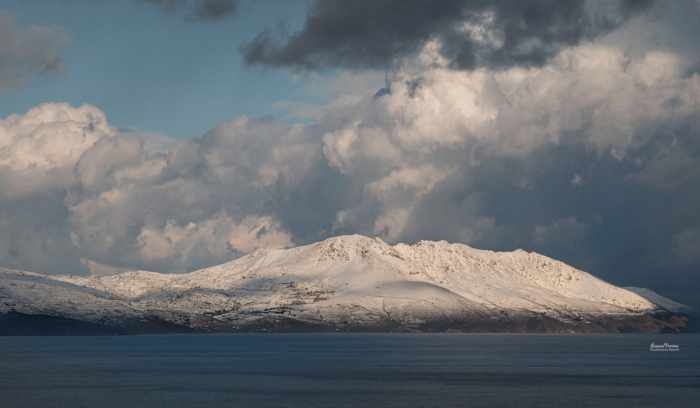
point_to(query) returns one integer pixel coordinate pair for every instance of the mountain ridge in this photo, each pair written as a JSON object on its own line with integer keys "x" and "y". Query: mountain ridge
{"x": 349, "y": 283}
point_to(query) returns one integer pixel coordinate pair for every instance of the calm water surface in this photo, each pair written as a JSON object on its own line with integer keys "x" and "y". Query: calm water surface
{"x": 400, "y": 370}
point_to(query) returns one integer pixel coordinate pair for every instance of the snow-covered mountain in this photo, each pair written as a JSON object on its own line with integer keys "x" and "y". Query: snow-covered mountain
{"x": 344, "y": 283}
{"x": 659, "y": 300}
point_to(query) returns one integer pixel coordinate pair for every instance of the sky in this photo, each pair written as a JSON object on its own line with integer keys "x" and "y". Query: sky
{"x": 171, "y": 135}
{"x": 186, "y": 73}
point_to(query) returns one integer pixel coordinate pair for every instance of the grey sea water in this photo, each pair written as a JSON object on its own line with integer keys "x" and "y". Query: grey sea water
{"x": 349, "y": 370}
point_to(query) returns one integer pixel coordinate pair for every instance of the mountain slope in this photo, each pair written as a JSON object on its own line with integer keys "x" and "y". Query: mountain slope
{"x": 660, "y": 301}
{"x": 347, "y": 283}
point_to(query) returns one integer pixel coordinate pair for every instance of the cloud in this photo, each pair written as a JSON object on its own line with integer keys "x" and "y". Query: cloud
{"x": 26, "y": 52}
{"x": 39, "y": 149}
{"x": 35, "y": 234}
{"x": 76, "y": 189}
{"x": 217, "y": 239}
{"x": 471, "y": 33}
{"x": 206, "y": 200}
{"x": 686, "y": 244}
{"x": 201, "y": 10}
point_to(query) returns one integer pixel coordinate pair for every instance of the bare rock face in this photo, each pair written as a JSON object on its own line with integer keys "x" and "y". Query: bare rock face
{"x": 345, "y": 283}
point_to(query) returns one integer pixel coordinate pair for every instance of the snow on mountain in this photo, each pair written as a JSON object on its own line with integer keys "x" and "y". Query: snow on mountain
{"x": 346, "y": 282}
{"x": 661, "y": 301}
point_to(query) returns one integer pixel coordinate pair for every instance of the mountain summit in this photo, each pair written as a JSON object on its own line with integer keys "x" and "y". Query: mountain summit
{"x": 345, "y": 283}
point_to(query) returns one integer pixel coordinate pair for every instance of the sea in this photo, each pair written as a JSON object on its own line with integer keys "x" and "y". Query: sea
{"x": 351, "y": 370}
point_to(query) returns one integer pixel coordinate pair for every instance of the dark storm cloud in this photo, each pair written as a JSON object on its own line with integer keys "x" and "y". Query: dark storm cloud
{"x": 374, "y": 33}
{"x": 204, "y": 10}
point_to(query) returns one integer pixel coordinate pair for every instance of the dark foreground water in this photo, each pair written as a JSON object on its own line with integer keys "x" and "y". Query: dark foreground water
{"x": 400, "y": 370}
